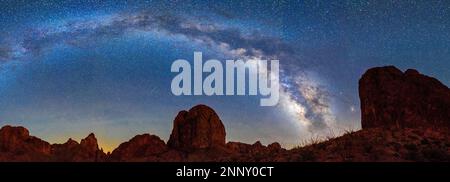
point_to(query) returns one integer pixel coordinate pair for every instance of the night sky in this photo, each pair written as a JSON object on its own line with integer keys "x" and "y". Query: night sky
{"x": 74, "y": 67}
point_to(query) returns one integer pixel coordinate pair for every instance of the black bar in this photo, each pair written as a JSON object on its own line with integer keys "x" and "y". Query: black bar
{"x": 280, "y": 170}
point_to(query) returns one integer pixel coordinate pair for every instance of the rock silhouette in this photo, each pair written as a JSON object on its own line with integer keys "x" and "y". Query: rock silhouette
{"x": 86, "y": 151}
{"x": 198, "y": 128}
{"x": 198, "y": 135}
{"x": 405, "y": 117}
{"x": 139, "y": 148}
{"x": 17, "y": 145}
{"x": 391, "y": 98}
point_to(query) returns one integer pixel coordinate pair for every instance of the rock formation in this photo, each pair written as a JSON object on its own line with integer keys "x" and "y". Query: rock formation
{"x": 391, "y": 98}
{"x": 139, "y": 148}
{"x": 198, "y": 135}
{"x": 17, "y": 145}
{"x": 405, "y": 117}
{"x": 86, "y": 151}
{"x": 198, "y": 128}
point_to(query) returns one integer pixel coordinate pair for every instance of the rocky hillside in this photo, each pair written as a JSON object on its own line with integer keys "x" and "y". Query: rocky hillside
{"x": 405, "y": 117}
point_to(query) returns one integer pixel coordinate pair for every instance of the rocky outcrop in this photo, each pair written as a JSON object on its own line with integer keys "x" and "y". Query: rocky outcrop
{"x": 86, "y": 151}
{"x": 198, "y": 128}
{"x": 89, "y": 143}
{"x": 197, "y": 135}
{"x": 17, "y": 145}
{"x": 274, "y": 147}
{"x": 392, "y": 98}
{"x": 139, "y": 148}
{"x": 256, "y": 148}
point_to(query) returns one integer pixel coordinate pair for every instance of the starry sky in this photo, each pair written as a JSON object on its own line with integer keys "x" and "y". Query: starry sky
{"x": 68, "y": 68}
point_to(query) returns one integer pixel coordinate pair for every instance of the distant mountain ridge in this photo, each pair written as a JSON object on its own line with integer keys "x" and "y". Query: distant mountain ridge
{"x": 405, "y": 117}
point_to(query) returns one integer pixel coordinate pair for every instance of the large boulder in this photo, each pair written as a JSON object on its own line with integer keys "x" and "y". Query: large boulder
{"x": 198, "y": 128}
{"x": 392, "y": 98}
